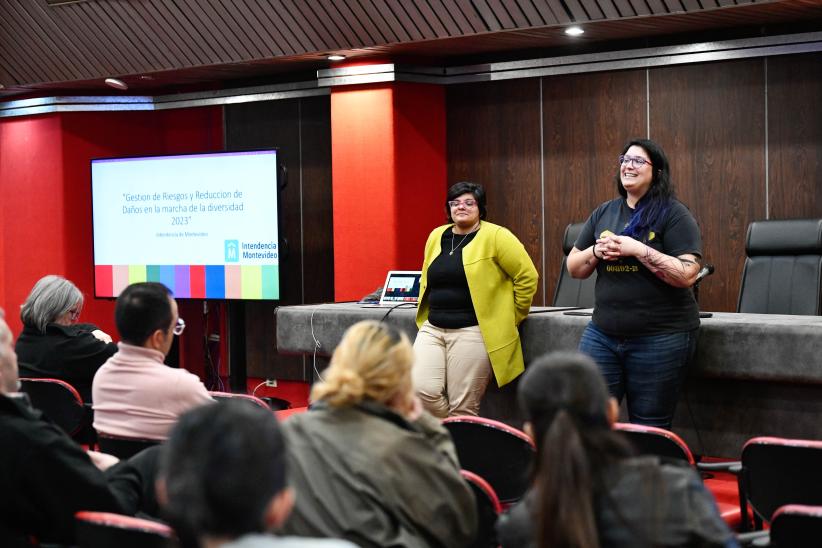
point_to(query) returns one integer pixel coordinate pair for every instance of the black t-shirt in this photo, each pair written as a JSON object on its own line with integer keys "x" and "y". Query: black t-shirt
{"x": 630, "y": 299}
{"x": 449, "y": 297}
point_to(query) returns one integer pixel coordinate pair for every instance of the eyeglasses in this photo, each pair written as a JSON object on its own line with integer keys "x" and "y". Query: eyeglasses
{"x": 637, "y": 161}
{"x": 456, "y": 203}
{"x": 74, "y": 314}
{"x": 179, "y": 327}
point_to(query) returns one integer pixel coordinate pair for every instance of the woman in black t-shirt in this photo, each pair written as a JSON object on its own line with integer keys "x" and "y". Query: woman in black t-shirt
{"x": 646, "y": 249}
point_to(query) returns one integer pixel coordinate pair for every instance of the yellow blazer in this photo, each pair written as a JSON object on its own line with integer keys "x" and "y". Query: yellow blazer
{"x": 502, "y": 280}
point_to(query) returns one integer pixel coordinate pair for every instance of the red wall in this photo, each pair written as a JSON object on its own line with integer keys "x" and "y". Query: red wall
{"x": 388, "y": 168}
{"x": 46, "y": 195}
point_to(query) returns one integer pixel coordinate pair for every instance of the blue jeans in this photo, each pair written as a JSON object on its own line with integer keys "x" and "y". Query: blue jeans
{"x": 649, "y": 370}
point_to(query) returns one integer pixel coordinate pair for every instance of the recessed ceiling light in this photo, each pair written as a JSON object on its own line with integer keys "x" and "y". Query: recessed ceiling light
{"x": 116, "y": 83}
{"x": 335, "y": 57}
{"x": 574, "y": 31}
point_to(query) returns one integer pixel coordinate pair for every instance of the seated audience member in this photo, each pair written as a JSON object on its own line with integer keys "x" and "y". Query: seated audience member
{"x": 52, "y": 344}
{"x": 45, "y": 477}
{"x": 589, "y": 490}
{"x": 223, "y": 481}
{"x": 135, "y": 394}
{"x": 368, "y": 464}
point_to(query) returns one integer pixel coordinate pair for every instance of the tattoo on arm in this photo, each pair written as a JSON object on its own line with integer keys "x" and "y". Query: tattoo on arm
{"x": 673, "y": 270}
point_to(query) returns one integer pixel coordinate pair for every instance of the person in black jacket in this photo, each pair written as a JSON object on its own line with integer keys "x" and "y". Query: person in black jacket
{"x": 589, "y": 491}
{"x": 53, "y": 344}
{"x": 45, "y": 477}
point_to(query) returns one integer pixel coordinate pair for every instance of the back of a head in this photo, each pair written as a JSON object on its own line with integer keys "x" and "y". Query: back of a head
{"x": 222, "y": 465}
{"x": 564, "y": 397}
{"x": 51, "y": 297}
{"x": 563, "y": 381}
{"x": 141, "y": 309}
{"x": 372, "y": 362}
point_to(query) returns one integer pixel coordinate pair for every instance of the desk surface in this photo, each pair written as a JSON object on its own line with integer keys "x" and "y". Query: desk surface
{"x": 753, "y": 374}
{"x": 741, "y": 346}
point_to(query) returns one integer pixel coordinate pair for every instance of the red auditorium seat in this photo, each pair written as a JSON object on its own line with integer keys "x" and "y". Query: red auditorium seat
{"x": 499, "y": 453}
{"x": 106, "y": 530}
{"x": 650, "y": 440}
{"x": 779, "y": 471}
{"x": 245, "y": 397}
{"x": 488, "y": 509}
{"x": 58, "y": 400}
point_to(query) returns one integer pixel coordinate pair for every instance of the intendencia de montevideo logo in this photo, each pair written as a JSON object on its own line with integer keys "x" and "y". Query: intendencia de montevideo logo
{"x": 250, "y": 250}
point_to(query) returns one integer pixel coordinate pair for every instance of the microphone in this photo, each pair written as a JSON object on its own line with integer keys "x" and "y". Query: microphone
{"x": 707, "y": 270}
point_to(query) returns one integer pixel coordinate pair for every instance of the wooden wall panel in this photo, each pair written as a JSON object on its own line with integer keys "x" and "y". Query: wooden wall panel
{"x": 318, "y": 239}
{"x": 587, "y": 118}
{"x": 710, "y": 119}
{"x": 300, "y": 129}
{"x": 795, "y": 136}
{"x": 494, "y": 139}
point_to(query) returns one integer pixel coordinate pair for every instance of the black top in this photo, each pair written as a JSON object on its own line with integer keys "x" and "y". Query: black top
{"x": 69, "y": 353}
{"x": 630, "y": 299}
{"x": 46, "y": 477}
{"x": 449, "y": 297}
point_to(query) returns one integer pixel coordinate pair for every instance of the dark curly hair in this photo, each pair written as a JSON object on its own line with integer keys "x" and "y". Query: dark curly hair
{"x": 466, "y": 187}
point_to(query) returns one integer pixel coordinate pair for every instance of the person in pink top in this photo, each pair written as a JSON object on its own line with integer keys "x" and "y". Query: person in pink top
{"x": 135, "y": 394}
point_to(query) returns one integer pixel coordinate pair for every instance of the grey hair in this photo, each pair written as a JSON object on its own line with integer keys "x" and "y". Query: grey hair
{"x": 51, "y": 297}
{"x": 5, "y": 339}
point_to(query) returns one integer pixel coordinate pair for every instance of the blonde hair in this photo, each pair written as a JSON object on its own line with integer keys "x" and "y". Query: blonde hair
{"x": 372, "y": 362}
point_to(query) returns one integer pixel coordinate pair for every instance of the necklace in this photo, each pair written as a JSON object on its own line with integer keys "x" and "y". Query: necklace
{"x": 453, "y": 237}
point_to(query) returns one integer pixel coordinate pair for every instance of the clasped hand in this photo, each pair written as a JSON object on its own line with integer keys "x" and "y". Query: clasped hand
{"x": 612, "y": 247}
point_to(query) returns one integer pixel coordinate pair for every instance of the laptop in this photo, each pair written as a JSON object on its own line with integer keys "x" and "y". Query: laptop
{"x": 401, "y": 286}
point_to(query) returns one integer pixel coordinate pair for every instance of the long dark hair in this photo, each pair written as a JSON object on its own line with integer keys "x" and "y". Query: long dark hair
{"x": 652, "y": 208}
{"x": 565, "y": 399}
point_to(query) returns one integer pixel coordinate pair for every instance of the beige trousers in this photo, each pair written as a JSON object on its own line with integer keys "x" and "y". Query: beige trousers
{"x": 451, "y": 370}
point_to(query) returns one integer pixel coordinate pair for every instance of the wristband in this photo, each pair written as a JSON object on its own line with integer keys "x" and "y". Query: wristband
{"x": 594, "y": 252}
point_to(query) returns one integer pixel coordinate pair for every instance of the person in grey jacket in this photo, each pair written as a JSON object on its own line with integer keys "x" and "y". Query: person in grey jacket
{"x": 589, "y": 491}
{"x": 367, "y": 463}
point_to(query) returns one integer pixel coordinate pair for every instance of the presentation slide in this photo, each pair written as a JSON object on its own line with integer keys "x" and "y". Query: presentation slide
{"x": 205, "y": 225}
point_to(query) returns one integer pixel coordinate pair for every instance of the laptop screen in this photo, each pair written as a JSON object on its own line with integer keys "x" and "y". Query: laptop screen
{"x": 401, "y": 286}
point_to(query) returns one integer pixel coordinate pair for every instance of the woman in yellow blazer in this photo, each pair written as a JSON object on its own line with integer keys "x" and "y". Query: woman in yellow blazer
{"x": 477, "y": 285}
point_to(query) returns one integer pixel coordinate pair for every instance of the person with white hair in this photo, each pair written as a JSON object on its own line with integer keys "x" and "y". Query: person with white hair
{"x": 53, "y": 344}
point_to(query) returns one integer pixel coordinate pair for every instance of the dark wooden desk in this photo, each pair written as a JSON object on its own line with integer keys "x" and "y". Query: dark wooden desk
{"x": 753, "y": 374}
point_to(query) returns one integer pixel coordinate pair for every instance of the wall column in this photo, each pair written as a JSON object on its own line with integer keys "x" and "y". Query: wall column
{"x": 388, "y": 180}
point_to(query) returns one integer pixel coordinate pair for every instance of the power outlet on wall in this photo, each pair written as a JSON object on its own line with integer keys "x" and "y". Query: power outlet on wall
{"x": 271, "y": 383}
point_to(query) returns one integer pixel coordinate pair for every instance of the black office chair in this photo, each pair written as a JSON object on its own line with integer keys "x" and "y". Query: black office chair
{"x": 783, "y": 271}
{"x": 571, "y": 291}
